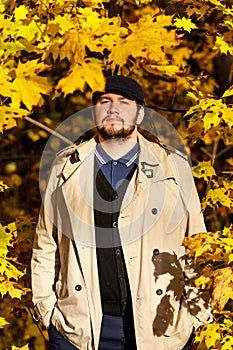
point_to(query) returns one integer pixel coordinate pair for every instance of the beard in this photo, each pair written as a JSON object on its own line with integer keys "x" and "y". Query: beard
{"x": 109, "y": 133}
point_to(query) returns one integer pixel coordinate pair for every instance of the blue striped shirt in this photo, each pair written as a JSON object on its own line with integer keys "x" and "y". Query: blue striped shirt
{"x": 116, "y": 170}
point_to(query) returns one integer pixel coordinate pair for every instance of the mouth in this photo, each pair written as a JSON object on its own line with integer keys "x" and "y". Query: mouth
{"x": 112, "y": 119}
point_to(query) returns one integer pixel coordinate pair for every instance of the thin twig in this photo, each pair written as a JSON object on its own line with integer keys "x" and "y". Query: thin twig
{"x": 213, "y": 158}
{"x": 206, "y": 152}
{"x": 19, "y": 156}
{"x": 168, "y": 109}
{"x": 51, "y": 131}
{"x": 215, "y": 148}
{"x": 220, "y": 153}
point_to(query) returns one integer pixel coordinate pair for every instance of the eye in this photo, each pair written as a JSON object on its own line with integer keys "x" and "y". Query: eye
{"x": 104, "y": 101}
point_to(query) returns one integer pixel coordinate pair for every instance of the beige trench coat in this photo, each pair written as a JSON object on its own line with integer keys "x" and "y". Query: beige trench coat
{"x": 160, "y": 207}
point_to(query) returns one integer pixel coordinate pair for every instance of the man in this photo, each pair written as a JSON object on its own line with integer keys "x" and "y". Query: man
{"x": 107, "y": 266}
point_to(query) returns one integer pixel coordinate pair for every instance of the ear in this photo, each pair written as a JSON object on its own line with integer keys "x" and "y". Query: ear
{"x": 141, "y": 114}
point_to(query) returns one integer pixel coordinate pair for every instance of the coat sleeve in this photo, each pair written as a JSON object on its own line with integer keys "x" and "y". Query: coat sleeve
{"x": 44, "y": 260}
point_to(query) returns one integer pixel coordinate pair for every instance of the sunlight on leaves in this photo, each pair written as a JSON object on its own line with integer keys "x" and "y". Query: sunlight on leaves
{"x": 185, "y": 24}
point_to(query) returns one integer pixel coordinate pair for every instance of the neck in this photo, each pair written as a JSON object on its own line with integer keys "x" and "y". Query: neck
{"x": 117, "y": 148}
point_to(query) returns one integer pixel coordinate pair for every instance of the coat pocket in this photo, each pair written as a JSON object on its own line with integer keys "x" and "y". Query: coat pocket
{"x": 44, "y": 309}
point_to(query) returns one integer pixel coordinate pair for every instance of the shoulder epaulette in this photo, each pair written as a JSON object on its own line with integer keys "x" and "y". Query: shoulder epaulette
{"x": 67, "y": 151}
{"x": 170, "y": 149}
{"x": 70, "y": 151}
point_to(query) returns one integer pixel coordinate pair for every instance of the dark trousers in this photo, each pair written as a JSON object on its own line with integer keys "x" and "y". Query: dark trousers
{"x": 110, "y": 340}
{"x": 57, "y": 341}
{"x": 112, "y": 333}
{"x": 112, "y": 336}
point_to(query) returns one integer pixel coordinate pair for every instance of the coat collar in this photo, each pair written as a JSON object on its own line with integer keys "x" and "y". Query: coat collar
{"x": 83, "y": 151}
{"x": 154, "y": 162}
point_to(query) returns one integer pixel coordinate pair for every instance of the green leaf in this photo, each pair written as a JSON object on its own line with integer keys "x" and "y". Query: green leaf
{"x": 204, "y": 170}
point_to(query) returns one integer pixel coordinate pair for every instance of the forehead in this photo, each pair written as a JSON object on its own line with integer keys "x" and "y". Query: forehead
{"x": 114, "y": 97}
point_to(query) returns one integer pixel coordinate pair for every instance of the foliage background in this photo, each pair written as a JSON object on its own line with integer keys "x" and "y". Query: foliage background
{"x": 53, "y": 54}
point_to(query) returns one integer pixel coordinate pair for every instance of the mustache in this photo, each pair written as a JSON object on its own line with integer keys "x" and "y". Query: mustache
{"x": 112, "y": 116}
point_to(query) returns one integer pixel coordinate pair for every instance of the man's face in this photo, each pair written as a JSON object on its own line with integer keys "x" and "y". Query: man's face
{"x": 115, "y": 116}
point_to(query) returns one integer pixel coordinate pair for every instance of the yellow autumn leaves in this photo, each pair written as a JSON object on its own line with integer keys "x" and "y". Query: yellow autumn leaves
{"x": 89, "y": 42}
{"x": 214, "y": 251}
{"x": 62, "y": 36}
{"x": 9, "y": 273}
{"x": 220, "y": 192}
{"x": 213, "y": 254}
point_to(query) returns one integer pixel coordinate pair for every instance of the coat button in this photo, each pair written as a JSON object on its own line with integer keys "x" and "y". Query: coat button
{"x": 115, "y": 196}
{"x": 154, "y": 211}
{"x": 159, "y": 292}
{"x": 156, "y": 251}
{"x": 114, "y": 224}
{"x": 117, "y": 251}
{"x": 78, "y": 287}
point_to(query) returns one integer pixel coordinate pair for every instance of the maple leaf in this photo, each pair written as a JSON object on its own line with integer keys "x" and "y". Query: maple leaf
{"x": 200, "y": 10}
{"x": 228, "y": 92}
{"x": 3, "y": 186}
{"x": 3, "y": 322}
{"x": 73, "y": 47}
{"x": 209, "y": 110}
{"x": 25, "y": 347}
{"x": 5, "y": 85}
{"x": 90, "y": 73}
{"x": 13, "y": 288}
{"x": 227, "y": 113}
{"x": 31, "y": 31}
{"x": 9, "y": 270}
{"x": 9, "y": 48}
{"x": 202, "y": 281}
{"x": 204, "y": 170}
{"x": 223, "y": 290}
{"x": 185, "y": 24}
{"x": 6, "y": 236}
{"x": 227, "y": 343}
{"x": 20, "y": 13}
{"x": 60, "y": 24}
{"x": 212, "y": 336}
{"x": 217, "y": 3}
{"x": 149, "y": 39}
{"x": 223, "y": 46}
{"x": 169, "y": 70}
{"x": 208, "y": 334}
{"x": 212, "y": 116}
{"x": 218, "y": 196}
{"x": 28, "y": 86}
{"x": 9, "y": 115}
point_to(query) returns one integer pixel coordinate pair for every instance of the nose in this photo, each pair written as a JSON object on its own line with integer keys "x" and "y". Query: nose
{"x": 113, "y": 107}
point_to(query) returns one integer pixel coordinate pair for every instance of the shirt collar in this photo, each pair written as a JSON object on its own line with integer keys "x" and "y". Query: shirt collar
{"x": 127, "y": 159}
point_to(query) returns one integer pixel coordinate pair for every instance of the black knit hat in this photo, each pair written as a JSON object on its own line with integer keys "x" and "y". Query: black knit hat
{"x": 121, "y": 85}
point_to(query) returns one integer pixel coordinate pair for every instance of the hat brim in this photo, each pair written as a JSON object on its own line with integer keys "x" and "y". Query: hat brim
{"x": 97, "y": 94}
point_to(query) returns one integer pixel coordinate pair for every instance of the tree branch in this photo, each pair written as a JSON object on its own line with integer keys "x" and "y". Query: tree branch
{"x": 51, "y": 131}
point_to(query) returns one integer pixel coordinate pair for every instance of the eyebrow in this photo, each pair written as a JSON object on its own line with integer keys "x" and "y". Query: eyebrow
{"x": 120, "y": 98}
